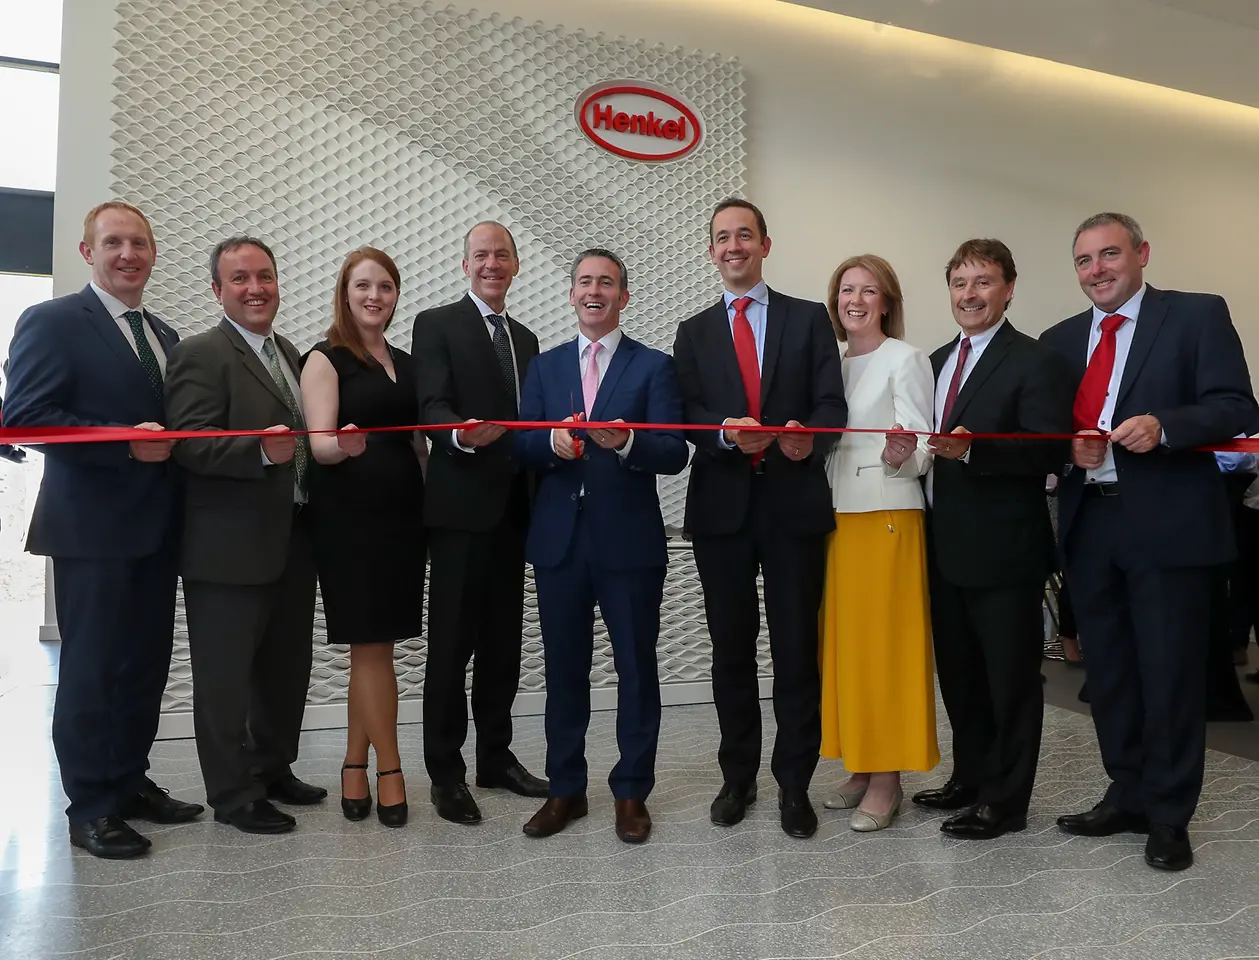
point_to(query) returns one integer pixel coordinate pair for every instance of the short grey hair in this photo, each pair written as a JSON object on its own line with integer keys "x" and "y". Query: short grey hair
{"x": 489, "y": 223}
{"x": 598, "y": 252}
{"x": 1105, "y": 219}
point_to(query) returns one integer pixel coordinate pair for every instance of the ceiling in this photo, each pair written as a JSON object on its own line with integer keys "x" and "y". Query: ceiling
{"x": 1209, "y": 47}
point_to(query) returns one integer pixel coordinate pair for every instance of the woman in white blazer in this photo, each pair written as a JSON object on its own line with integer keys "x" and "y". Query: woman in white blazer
{"x": 878, "y": 690}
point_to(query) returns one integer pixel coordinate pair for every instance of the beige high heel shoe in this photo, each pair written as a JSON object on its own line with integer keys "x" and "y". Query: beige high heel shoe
{"x": 846, "y": 797}
{"x": 865, "y": 822}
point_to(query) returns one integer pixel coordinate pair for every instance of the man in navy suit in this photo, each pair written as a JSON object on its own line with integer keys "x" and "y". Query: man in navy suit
{"x": 597, "y": 537}
{"x": 1144, "y": 523}
{"x": 107, "y": 515}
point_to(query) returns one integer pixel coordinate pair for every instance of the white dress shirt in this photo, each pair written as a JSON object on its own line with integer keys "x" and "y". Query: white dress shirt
{"x": 978, "y": 343}
{"x": 1107, "y": 473}
{"x": 256, "y": 342}
{"x": 603, "y": 361}
{"x": 116, "y": 310}
{"x": 486, "y": 311}
{"x": 757, "y": 313}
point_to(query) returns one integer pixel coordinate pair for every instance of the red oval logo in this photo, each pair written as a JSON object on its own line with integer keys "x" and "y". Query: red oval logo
{"x": 638, "y": 121}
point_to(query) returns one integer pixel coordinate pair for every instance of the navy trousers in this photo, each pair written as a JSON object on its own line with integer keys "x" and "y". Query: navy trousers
{"x": 117, "y": 620}
{"x": 629, "y": 601}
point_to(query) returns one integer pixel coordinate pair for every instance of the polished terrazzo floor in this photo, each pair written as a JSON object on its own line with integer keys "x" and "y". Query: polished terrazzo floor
{"x": 435, "y": 890}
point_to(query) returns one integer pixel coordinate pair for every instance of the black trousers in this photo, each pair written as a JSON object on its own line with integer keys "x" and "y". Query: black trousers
{"x": 988, "y": 645}
{"x": 251, "y": 649}
{"x": 1146, "y": 630}
{"x": 117, "y": 620}
{"x": 476, "y": 598}
{"x": 793, "y": 569}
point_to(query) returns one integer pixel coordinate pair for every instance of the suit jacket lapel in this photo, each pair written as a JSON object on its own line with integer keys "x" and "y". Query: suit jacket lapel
{"x": 109, "y": 331}
{"x": 251, "y": 360}
{"x": 570, "y": 379}
{"x": 482, "y": 343}
{"x": 775, "y": 320}
{"x": 722, "y": 345}
{"x": 993, "y": 354}
{"x": 1153, "y": 312}
{"x": 620, "y": 360}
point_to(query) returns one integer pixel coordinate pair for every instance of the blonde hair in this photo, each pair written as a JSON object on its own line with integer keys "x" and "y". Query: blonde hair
{"x": 893, "y": 320}
{"x": 89, "y": 222}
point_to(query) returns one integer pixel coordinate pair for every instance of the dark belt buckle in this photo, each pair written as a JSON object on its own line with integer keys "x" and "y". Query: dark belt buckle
{"x": 1105, "y": 489}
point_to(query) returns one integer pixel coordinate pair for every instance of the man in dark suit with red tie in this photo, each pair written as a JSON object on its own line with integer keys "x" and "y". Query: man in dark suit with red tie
{"x": 759, "y": 501}
{"x": 1144, "y": 522}
{"x": 991, "y": 543}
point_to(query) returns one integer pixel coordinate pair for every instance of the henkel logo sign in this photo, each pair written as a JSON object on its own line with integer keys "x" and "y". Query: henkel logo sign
{"x": 638, "y": 121}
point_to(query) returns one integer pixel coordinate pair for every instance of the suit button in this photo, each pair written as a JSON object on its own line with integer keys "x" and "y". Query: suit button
{"x": 572, "y": 496}
{"x": 585, "y": 456}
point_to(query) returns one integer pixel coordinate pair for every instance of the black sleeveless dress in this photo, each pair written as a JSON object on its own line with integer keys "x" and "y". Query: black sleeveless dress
{"x": 368, "y": 511}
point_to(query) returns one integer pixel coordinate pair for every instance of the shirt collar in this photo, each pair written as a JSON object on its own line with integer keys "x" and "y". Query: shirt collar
{"x": 255, "y": 340}
{"x": 485, "y": 308}
{"x": 759, "y": 293}
{"x": 1129, "y": 309}
{"x": 610, "y": 341}
{"x": 115, "y": 306}
{"x": 981, "y": 340}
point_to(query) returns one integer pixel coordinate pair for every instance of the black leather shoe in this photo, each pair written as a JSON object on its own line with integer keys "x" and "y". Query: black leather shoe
{"x": 983, "y": 822}
{"x": 731, "y": 804}
{"x": 109, "y": 838}
{"x": 796, "y": 813}
{"x": 290, "y": 790}
{"x": 354, "y": 808}
{"x": 256, "y": 816}
{"x": 454, "y": 803}
{"x": 156, "y": 805}
{"x": 951, "y": 796}
{"x": 1168, "y": 848}
{"x": 1104, "y": 820}
{"x": 516, "y": 778}
{"x": 393, "y": 814}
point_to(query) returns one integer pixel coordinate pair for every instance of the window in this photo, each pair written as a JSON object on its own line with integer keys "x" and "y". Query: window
{"x": 28, "y": 117}
{"x": 32, "y": 30}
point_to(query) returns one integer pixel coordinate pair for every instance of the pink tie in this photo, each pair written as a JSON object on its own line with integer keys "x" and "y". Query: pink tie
{"x": 590, "y": 382}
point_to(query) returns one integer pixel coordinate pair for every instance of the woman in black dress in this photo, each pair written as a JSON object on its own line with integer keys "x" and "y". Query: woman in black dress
{"x": 367, "y": 504}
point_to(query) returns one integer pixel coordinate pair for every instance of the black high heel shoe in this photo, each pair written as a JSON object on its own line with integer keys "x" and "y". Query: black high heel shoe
{"x": 354, "y": 808}
{"x": 392, "y": 815}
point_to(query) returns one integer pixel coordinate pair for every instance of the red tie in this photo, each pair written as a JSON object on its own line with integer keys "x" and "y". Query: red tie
{"x": 950, "y": 398}
{"x": 1091, "y": 396}
{"x": 745, "y": 353}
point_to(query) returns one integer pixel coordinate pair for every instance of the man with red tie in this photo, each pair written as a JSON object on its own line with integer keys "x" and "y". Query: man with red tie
{"x": 990, "y": 543}
{"x": 1144, "y": 521}
{"x": 759, "y": 501}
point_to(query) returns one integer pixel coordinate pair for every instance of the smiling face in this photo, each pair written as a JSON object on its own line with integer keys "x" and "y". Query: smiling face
{"x": 490, "y": 264}
{"x": 248, "y": 289}
{"x": 861, "y": 303}
{"x": 979, "y": 294}
{"x": 598, "y": 296}
{"x": 372, "y": 296}
{"x": 121, "y": 252}
{"x": 1110, "y": 269}
{"x": 738, "y": 249}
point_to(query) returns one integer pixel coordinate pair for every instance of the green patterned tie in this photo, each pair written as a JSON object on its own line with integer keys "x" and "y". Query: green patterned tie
{"x": 148, "y": 359}
{"x": 301, "y": 458}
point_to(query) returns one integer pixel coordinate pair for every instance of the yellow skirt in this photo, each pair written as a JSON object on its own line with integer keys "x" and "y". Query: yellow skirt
{"x": 878, "y": 688}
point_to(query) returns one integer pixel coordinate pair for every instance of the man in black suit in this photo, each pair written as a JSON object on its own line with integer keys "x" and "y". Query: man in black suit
{"x": 470, "y": 361}
{"x": 108, "y": 516}
{"x": 759, "y": 501}
{"x": 247, "y": 560}
{"x": 991, "y": 542}
{"x": 1145, "y": 523}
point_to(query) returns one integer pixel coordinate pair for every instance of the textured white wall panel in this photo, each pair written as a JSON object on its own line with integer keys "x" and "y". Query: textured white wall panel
{"x": 320, "y": 126}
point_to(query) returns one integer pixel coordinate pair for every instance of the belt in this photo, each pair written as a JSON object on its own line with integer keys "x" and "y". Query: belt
{"x": 1102, "y": 489}
{"x": 758, "y": 468}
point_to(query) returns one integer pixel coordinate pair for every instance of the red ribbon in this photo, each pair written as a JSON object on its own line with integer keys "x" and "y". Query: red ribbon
{"x": 32, "y": 436}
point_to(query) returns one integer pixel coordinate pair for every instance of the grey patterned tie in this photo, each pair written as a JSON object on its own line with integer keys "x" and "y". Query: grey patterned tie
{"x": 144, "y": 350}
{"x": 301, "y": 458}
{"x": 502, "y": 350}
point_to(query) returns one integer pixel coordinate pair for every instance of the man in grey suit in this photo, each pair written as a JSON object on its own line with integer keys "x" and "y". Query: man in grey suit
{"x": 246, "y": 559}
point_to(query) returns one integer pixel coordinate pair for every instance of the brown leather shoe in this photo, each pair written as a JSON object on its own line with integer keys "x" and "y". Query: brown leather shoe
{"x": 555, "y": 815}
{"x": 633, "y": 822}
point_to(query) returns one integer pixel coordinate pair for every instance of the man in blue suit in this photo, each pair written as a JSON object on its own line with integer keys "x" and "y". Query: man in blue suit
{"x": 597, "y": 537}
{"x": 107, "y": 516}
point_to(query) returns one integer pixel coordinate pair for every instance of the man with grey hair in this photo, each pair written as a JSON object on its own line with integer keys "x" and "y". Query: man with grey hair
{"x": 1144, "y": 522}
{"x": 470, "y": 360}
{"x": 597, "y": 489}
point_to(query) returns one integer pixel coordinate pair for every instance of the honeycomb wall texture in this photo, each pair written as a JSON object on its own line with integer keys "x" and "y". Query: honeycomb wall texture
{"x": 322, "y": 125}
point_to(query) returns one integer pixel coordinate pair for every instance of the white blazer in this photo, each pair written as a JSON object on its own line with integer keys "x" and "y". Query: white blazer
{"x": 896, "y": 386}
